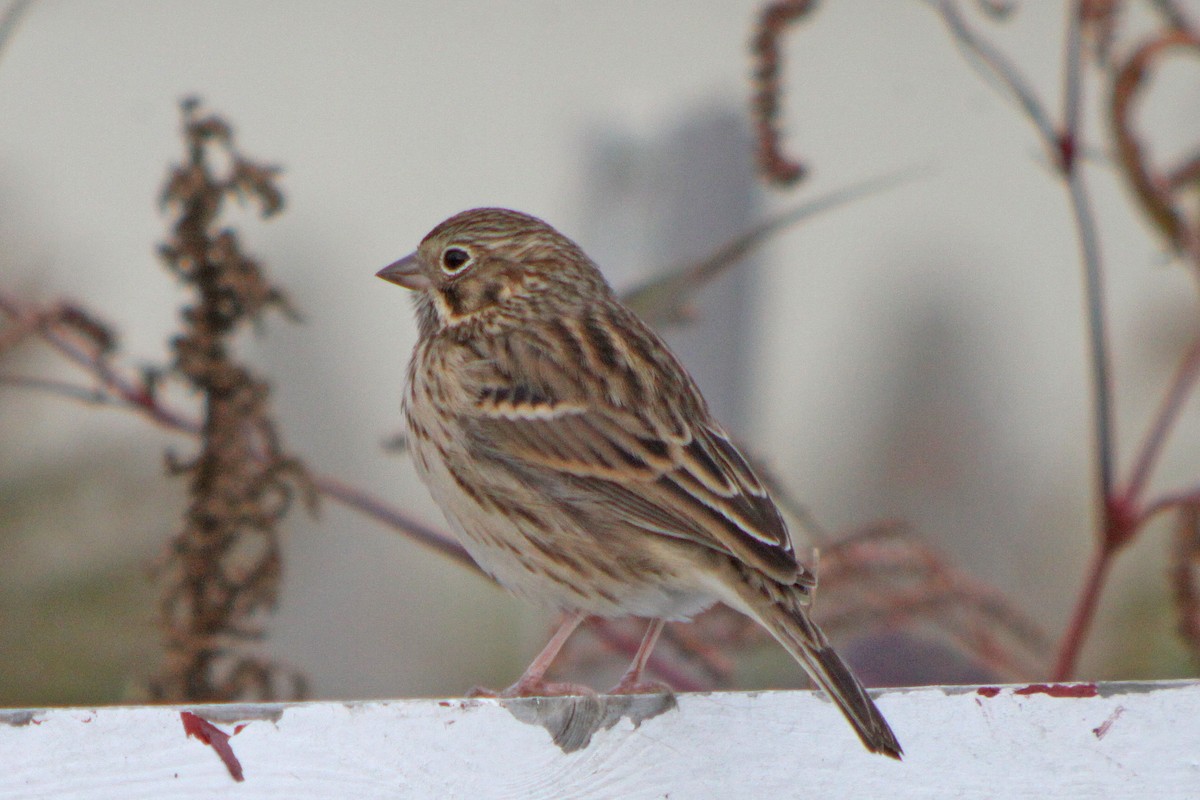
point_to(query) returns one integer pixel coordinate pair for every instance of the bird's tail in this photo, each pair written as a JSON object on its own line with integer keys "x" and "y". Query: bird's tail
{"x": 782, "y": 611}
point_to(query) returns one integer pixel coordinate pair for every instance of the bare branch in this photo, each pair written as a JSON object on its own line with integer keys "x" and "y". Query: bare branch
{"x": 10, "y": 19}
{"x": 998, "y": 70}
{"x": 666, "y": 299}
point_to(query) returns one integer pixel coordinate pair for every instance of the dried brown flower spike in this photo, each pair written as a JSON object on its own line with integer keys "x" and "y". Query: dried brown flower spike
{"x": 223, "y": 568}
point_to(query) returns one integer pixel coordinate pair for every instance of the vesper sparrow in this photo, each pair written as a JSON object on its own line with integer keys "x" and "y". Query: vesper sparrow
{"x": 577, "y": 460}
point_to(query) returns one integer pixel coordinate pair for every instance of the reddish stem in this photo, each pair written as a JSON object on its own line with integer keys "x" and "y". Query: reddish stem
{"x": 1124, "y": 514}
{"x": 1085, "y": 612}
{"x": 1181, "y": 387}
{"x": 364, "y": 503}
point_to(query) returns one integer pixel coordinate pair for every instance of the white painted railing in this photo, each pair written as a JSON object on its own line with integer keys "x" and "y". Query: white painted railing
{"x": 1074, "y": 741}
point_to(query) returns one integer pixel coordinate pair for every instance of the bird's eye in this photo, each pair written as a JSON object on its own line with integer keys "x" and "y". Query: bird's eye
{"x": 455, "y": 259}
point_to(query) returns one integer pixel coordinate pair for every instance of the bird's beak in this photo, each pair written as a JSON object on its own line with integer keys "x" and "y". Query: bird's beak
{"x": 406, "y": 272}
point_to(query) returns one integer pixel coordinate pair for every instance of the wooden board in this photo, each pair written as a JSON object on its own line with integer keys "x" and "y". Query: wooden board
{"x": 1076, "y": 741}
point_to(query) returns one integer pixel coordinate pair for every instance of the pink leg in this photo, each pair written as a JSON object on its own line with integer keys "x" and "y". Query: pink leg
{"x": 531, "y": 683}
{"x": 631, "y": 682}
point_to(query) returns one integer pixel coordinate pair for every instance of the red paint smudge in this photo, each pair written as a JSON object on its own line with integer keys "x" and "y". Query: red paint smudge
{"x": 1102, "y": 730}
{"x": 988, "y": 691}
{"x": 239, "y": 728}
{"x": 1060, "y": 689}
{"x": 215, "y": 738}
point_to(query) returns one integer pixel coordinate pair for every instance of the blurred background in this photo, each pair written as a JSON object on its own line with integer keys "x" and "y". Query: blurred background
{"x": 918, "y": 353}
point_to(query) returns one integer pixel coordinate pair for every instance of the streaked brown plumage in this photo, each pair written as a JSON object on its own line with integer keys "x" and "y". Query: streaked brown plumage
{"x": 578, "y": 461}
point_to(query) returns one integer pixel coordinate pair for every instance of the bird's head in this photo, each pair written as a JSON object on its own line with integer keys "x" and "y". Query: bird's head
{"x": 489, "y": 261}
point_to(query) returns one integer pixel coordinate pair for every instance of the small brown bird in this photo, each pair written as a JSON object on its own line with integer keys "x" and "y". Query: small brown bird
{"x": 578, "y": 462}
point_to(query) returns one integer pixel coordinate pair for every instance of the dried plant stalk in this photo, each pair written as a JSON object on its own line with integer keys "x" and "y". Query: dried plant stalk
{"x": 1159, "y": 195}
{"x": 223, "y": 568}
{"x": 884, "y": 578}
{"x": 774, "y": 163}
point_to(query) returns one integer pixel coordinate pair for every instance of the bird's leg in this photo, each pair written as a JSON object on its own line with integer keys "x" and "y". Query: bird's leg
{"x": 631, "y": 682}
{"x": 532, "y": 683}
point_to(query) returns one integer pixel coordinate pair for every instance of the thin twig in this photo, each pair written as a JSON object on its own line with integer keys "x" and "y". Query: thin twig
{"x": 1169, "y": 501}
{"x": 8, "y": 21}
{"x": 1085, "y": 224}
{"x": 666, "y": 298}
{"x": 1069, "y": 139}
{"x": 1082, "y": 615}
{"x": 1113, "y": 534}
{"x": 997, "y": 69}
{"x": 1180, "y": 389}
{"x": 373, "y": 507}
{"x": 1175, "y": 16}
{"x": 132, "y": 393}
{"x": 70, "y": 391}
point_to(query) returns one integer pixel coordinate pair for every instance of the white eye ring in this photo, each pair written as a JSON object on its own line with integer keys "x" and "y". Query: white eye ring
{"x": 455, "y": 259}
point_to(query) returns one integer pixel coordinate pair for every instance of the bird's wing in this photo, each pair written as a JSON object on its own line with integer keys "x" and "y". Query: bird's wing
{"x": 662, "y": 466}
